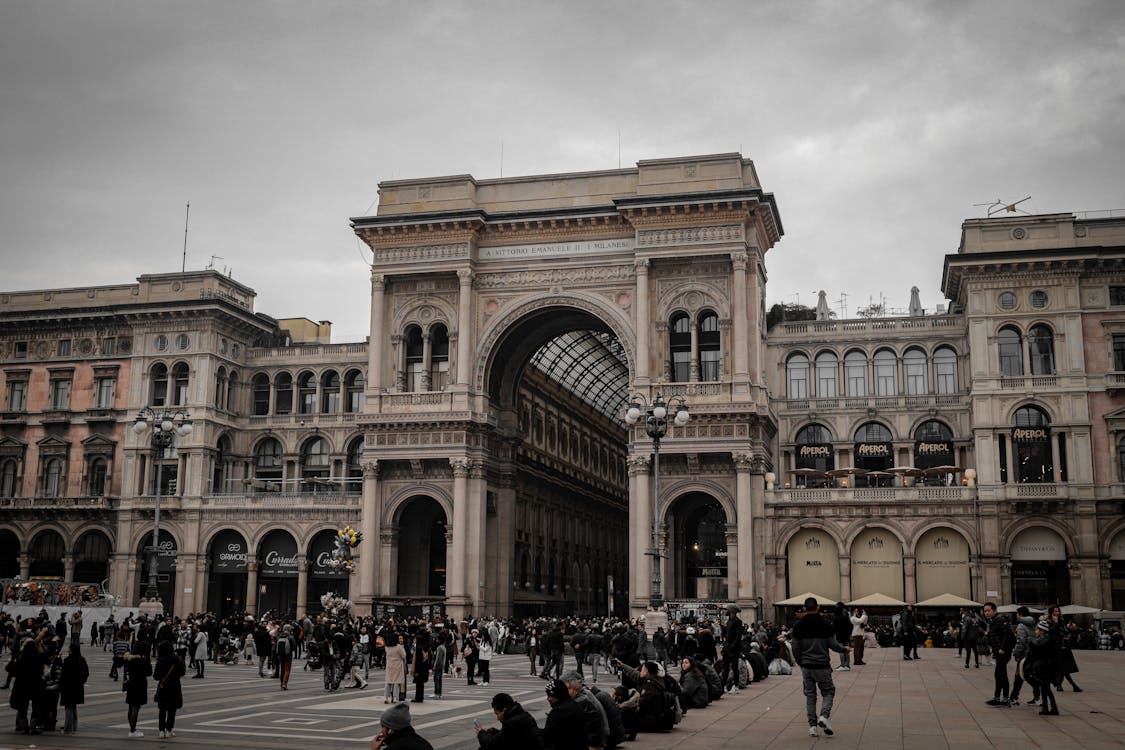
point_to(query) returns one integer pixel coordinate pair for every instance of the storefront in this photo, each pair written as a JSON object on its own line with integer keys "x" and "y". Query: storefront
{"x": 814, "y": 450}
{"x": 941, "y": 565}
{"x": 874, "y": 450}
{"x": 323, "y": 578}
{"x": 877, "y": 564}
{"x": 166, "y": 555}
{"x": 277, "y": 574}
{"x": 813, "y": 562}
{"x": 1040, "y": 574}
{"x": 226, "y": 584}
{"x": 1031, "y": 446}
{"x": 933, "y": 447}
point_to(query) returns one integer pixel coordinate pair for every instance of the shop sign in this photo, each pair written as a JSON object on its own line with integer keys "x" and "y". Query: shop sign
{"x": 279, "y": 559}
{"x": 928, "y": 448}
{"x": 1031, "y": 435}
{"x": 229, "y": 556}
{"x": 1038, "y": 544}
{"x": 814, "y": 451}
{"x": 874, "y": 450}
{"x": 321, "y": 553}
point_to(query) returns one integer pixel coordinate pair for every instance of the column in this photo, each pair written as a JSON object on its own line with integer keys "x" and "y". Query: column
{"x": 302, "y": 583}
{"x": 738, "y": 322}
{"x": 642, "y": 321}
{"x": 427, "y": 359}
{"x": 505, "y": 544}
{"x": 396, "y": 357}
{"x": 388, "y": 556}
{"x": 251, "y": 585}
{"x": 754, "y": 325}
{"x": 476, "y": 585}
{"x": 693, "y": 370}
{"x": 455, "y": 577}
{"x": 199, "y": 597}
{"x": 910, "y": 579}
{"x": 744, "y": 514}
{"x": 377, "y": 335}
{"x": 369, "y": 524}
{"x": 1013, "y": 478}
{"x": 464, "y": 326}
{"x": 1056, "y": 473}
{"x": 25, "y": 565}
{"x": 640, "y": 535}
{"x": 732, "y": 555}
{"x": 845, "y": 578}
{"x": 68, "y": 568}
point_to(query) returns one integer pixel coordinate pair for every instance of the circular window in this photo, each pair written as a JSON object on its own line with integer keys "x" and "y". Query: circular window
{"x": 222, "y": 346}
{"x": 1007, "y": 300}
{"x": 182, "y": 341}
{"x": 161, "y": 342}
{"x": 1038, "y": 298}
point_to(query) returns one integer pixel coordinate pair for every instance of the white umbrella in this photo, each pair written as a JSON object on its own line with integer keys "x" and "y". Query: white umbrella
{"x": 799, "y": 600}
{"x": 1078, "y": 609}
{"x": 877, "y": 600}
{"x": 1010, "y": 608}
{"x": 948, "y": 600}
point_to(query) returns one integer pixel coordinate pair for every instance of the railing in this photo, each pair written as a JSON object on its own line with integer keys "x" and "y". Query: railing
{"x": 1037, "y": 490}
{"x": 872, "y": 324}
{"x": 303, "y": 486}
{"x": 1115, "y": 379}
{"x": 307, "y": 351}
{"x": 873, "y": 494}
{"x": 422, "y": 398}
{"x": 58, "y": 503}
{"x": 702, "y": 388}
{"x": 882, "y": 402}
{"x": 295, "y": 500}
{"x": 309, "y": 420}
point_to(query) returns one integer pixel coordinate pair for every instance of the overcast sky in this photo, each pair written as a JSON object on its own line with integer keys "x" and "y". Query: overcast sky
{"x": 878, "y": 126}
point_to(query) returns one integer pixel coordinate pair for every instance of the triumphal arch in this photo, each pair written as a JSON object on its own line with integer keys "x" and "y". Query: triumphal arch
{"x": 511, "y": 321}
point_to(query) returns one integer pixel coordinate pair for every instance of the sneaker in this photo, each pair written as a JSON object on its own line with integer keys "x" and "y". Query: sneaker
{"x": 485, "y": 684}
{"x": 825, "y": 724}
{"x": 1077, "y": 689}
{"x": 907, "y": 658}
{"x": 136, "y": 735}
{"x": 171, "y": 735}
{"x": 813, "y": 732}
{"x": 997, "y": 702}
{"x": 734, "y": 690}
{"x": 1013, "y": 703}
{"x": 163, "y": 735}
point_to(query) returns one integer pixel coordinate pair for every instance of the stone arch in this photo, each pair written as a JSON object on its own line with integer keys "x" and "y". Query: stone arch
{"x": 145, "y": 535}
{"x": 945, "y": 523}
{"x": 677, "y": 300}
{"x": 411, "y": 313}
{"x": 1108, "y": 535}
{"x": 676, "y": 490}
{"x": 571, "y": 309}
{"x": 921, "y": 419}
{"x": 858, "y": 527}
{"x": 1008, "y": 536}
{"x": 1043, "y": 406}
{"x": 697, "y": 523}
{"x": 392, "y": 509}
{"x": 790, "y": 530}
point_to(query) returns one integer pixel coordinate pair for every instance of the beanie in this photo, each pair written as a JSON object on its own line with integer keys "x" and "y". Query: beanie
{"x": 557, "y": 688}
{"x": 396, "y": 717}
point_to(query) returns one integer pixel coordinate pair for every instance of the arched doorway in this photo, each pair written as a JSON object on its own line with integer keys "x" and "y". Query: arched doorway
{"x": 9, "y": 554}
{"x": 323, "y": 578}
{"x": 46, "y": 552}
{"x": 91, "y": 558}
{"x": 277, "y": 574}
{"x": 698, "y": 531}
{"x": 166, "y": 554}
{"x": 877, "y": 564}
{"x": 941, "y": 565}
{"x": 226, "y": 580}
{"x": 1040, "y": 574}
{"x": 421, "y": 548}
{"x": 813, "y": 564}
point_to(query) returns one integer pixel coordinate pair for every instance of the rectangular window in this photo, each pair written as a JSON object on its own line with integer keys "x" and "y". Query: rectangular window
{"x": 709, "y": 366}
{"x": 1117, "y": 295}
{"x": 64, "y": 348}
{"x": 21, "y": 350}
{"x": 798, "y": 386}
{"x": 17, "y": 395}
{"x": 104, "y": 393}
{"x": 439, "y": 374}
{"x": 1062, "y": 457}
{"x": 681, "y": 367}
{"x": 1003, "y": 442}
{"x": 414, "y": 376}
{"x": 1119, "y": 352}
{"x": 60, "y": 394}
{"x": 109, "y": 346}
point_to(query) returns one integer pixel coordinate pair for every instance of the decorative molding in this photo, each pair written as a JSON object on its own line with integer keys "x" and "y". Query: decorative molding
{"x": 691, "y": 235}
{"x": 637, "y": 465}
{"x": 554, "y": 277}
{"x": 371, "y": 469}
{"x": 461, "y": 467}
{"x": 422, "y": 253}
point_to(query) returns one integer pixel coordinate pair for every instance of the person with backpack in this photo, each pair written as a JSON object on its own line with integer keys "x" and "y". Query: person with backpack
{"x": 286, "y": 647}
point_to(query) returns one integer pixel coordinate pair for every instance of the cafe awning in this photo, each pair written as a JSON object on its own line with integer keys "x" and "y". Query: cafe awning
{"x": 1078, "y": 609}
{"x": 799, "y": 600}
{"x": 877, "y": 600}
{"x": 948, "y": 600}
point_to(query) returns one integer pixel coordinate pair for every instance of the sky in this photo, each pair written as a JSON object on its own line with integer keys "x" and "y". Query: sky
{"x": 877, "y": 125}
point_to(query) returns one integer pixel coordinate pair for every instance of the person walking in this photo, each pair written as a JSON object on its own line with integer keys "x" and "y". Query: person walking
{"x": 441, "y": 658}
{"x": 471, "y": 652}
{"x": 169, "y": 695}
{"x": 1025, "y": 630}
{"x": 27, "y": 673}
{"x": 286, "y": 646}
{"x": 199, "y": 642}
{"x": 1067, "y": 663}
{"x": 533, "y": 649}
{"x": 1044, "y": 657}
{"x": 813, "y": 637}
{"x": 970, "y": 634}
{"x": 859, "y": 633}
{"x": 1001, "y": 642}
{"x": 842, "y": 627}
{"x": 137, "y": 672}
{"x": 72, "y": 681}
{"x": 422, "y": 661}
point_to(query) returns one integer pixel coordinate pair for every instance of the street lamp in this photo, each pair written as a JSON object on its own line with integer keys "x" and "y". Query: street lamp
{"x": 165, "y": 426}
{"x": 656, "y": 426}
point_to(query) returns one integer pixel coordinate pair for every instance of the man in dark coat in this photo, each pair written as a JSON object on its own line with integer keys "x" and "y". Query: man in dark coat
{"x": 27, "y": 673}
{"x": 1001, "y": 641}
{"x": 813, "y": 637}
{"x": 732, "y": 645}
{"x": 612, "y": 715}
{"x": 565, "y": 728}
{"x": 518, "y": 730}
{"x": 75, "y": 672}
{"x": 842, "y": 626}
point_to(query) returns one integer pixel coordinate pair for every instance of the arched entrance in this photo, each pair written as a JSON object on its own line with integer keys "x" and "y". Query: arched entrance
{"x": 1040, "y": 574}
{"x": 91, "y": 558}
{"x": 9, "y": 554}
{"x": 421, "y": 548}
{"x": 46, "y": 552}
{"x": 227, "y": 572}
{"x": 941, "y": 565}
{"x": 323, "y": 578}
{"x": 166, "y": 554}
{"x": 813, "y": 564}
{"x": 277, "y": 574}
{"x": 877, "y": 564}
{"x": 698, "y": 532}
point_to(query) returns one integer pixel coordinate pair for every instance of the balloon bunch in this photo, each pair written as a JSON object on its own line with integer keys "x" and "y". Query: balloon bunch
{"x": 333, "y": 604}
{"x": 347, "y": 539}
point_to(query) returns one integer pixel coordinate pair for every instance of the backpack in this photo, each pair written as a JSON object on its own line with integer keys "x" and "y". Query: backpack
{"x": 284, "y": 647}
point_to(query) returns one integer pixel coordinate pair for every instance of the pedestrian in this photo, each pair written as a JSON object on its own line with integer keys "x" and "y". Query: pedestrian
{"x": 813, "y": 636}
{"x": 970, "y": 634}
{"x": 484, "y": 657}
{"x": 395, "y": 673}
{"x": 120, "y": 648}
{"x": 286, "y": 646}
{"x": 732, "y": 647}
{"x": 199, "y": 641}
{"x": 137, "y": 672}
{"x": 421, "y": 662}
{"x": 1044, "y": 657}
{"x": 518, "y": 730}
{"x": 907, "y": 632}
{"x": 169, "y": 695}
{"x": 27, "y": 674}
{"x": 533, "y": 649}
{"x": 1001, "y": 642}
{"x": 1067, "y": 663}
{"x": 1025, "y": 630}
{"x": 471, "y": 652}
{"x": 842, "y": 626}
{"x": 441, "y": 658}
{"x": 859, "y": 634}
{"x": 396, "y": 732}
{"x": 75, "y": 672}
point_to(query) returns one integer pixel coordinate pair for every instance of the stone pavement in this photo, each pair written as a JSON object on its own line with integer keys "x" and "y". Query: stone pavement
{"x": 932, "y": 703}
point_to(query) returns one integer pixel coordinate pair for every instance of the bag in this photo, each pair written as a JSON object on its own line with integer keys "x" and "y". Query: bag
{"x": 467, "y": 652}
{"x": 283, "y": 646}
{"x": 780, "y": 666}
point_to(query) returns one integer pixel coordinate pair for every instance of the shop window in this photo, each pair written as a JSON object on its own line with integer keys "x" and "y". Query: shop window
{"x": 306, "y": 393}
{"x": 284, "y": 385}
{"x": 1041, "y": 347}
{"x": 180, "y": 384}
{"x": 439, "y": 358}
{"x": 874, "y": 450}
{"x": 1031, "y": 446}
{"x": 415, "y": 360}
{"x": 1010, "y": 346}
{"x": 260, "y": 393}
{"x": 354, "y": 383}
{"x": 886, "y": 373}
{"x": 855, "y": 373}
{"x": 827, "y": 375}
{"x": 814, "y": 449}
{"x": 914, "y": 372}
{"x": 709, "y": 346}
{"x": 945, "y": 370}
{"x": 797, "y": 377}
{"x": 158, "y": 385}
{"x": 330, "y": 393}
{"x": 679, "y": 344}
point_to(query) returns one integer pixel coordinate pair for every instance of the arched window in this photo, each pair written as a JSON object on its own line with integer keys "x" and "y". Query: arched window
{"x": 439, "y": 357}
{"x": 945, "y": 370}
{"x": 933, "y": 445}
{"x": 1009, "y": 345}
{"x": 797, "y": 377}
{"x": 232, "y": 392}
{"x": 1041, "y": 347}
{"x": 415, "y": 363}
{"x": 709, "y": 346}
{"x": 221, "y": 388}
{"x": 284, "y": 399}
{"x": 1031, "y": 444}
{"x": 158, "y": 388}
{"x": 329, "y": 392}
{"x": 219, "y": 475}
{"x": 8, "y": 478}
{"x": 827, "y": 375}
{"x": 873, "y": 432}
{"x": 355, "y": 466}
{"x": 180, "y": 384}
{"x": 260, "y": 387}
{"x": 886, "y": 373}
{"x": 354, "y": 383}
{"x": 267, "y": 460}
{"x": 53, "y": 478}
{"x": 315, "y": 463}
{"x": 914, "y": 372}
{"x": 679, "y": 346}
{"x": 306, "y": 393}
{"x": 814, "y": 449}
{"x": 855, "y": 373}
{"x": 874, "y": 450}
{"x": 95, "y": 482}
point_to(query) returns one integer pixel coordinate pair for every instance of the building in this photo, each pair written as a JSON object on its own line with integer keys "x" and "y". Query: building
{"x": 476, "y": 438}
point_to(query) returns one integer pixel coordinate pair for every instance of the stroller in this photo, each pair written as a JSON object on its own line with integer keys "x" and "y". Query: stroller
{"x": 226, "y": 651}
{"x": 312, "y": 661}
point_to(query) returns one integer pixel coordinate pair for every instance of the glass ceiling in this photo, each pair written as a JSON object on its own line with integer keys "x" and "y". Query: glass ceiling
{"x": 590, "y": 364}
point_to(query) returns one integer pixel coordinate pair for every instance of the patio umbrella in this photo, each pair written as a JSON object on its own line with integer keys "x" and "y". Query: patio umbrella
{"x": 942, "y": 470}
{"x": 877, "y": 600}
{"x": 846, "y": 471}
{"x": 948, "y": 600}
{"x": 807, "y": 473}
{"x": 1078, "y": 609}
{"x": 906, "y": 471}
{"x": 1008, "y": 609}
{"x": 880, "y": 475}
{"x": 799, "y": 600}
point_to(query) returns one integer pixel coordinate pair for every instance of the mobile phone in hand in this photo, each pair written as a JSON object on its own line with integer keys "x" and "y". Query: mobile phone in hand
{"x": 476, "y": 724}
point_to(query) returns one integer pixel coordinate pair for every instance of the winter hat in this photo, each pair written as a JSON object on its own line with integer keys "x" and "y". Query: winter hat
{"x": 396, "y": 717}
{"x": 557, "y": 688}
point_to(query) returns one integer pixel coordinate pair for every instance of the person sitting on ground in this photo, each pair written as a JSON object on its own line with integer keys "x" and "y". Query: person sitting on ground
{"x": 612, "y": 715}
{"x": 565, "y": 728}
{"x": 518, "y": 730}
{"x": 396, "y": 732}
{"x": 693, "y": 685}
{"x": 648, "y": 710}
{"x": 597, "y": 725}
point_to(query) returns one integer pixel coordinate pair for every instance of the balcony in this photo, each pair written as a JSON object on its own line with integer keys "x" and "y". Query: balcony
{"x": 13, "y": 417}
{"x": 868, "y": 495}
{"x": 862, "y": 403}
{"x": 103, "y": 415}
{"x": 57, "y": 503}
{"x": 1115, "y": 381}
{"x": 56, "y": 416}
{"x": 333, "y": 500}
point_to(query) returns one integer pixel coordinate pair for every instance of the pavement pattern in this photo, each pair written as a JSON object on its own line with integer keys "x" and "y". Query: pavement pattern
{"x": 889, "y": 703}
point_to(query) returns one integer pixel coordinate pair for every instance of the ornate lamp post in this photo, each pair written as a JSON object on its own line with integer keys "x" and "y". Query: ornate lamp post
{"x": 165, "y": 426}
{"x": 656, "y": 426}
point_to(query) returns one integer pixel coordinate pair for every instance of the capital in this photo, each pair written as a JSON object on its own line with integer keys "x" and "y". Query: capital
{"x": 465, "y": 276}
{"x": 743, "y": 462}
{"x": 641, "y": 265}
{"x": 371, "y": 469}
{"x": 460, "y": 466}
{"x": 637, "y": 465}
{"x": 740, "y": 260}
{"x": 378, "y": 282}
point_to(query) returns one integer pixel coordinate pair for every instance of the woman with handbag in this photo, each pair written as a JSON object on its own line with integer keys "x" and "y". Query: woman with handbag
{"x": 169, "y": 695}
{"x": 137, "y": 671}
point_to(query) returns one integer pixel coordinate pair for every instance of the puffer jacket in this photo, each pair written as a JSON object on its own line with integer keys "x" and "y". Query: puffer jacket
{"x": 1025, "y": 630}
{"x": 694, "y": 692}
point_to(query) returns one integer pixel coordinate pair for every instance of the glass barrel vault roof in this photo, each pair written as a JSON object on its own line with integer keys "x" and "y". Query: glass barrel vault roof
{"x": 590, "y": 364}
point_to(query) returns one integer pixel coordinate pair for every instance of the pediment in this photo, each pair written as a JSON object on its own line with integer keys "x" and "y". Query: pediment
{"x": 52, "y": 441}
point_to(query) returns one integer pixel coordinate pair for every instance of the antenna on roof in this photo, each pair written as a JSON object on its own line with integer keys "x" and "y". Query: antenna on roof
{"x": 501, "y": 157}
{"x": 999, "y": 206}
{"x": 843, "y": 303}
{"x": 187, "y": 215}
{"x": 211, "y": 265}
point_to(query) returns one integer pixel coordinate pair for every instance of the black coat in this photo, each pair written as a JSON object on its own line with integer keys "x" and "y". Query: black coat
{"x": 406, "y": 739}
{"x": 613, "y": 716}
{"x": 518, "y": 731}
{"x": 27, "y": 673}
{"x": 167, "y": 673}
{"x": 137, "y": 671}
{"x": 565, "y": 728}
{"x": 75, "y": 672}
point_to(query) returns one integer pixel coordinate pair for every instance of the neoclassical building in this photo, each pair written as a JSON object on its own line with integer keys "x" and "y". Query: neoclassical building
{"x": 476, "y": 436}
